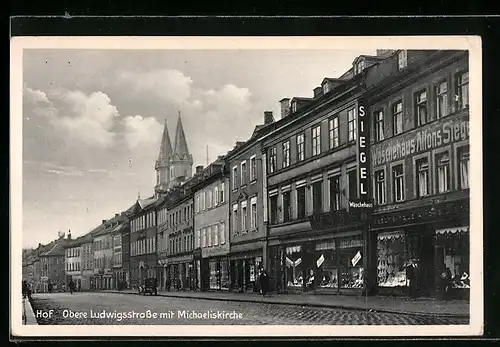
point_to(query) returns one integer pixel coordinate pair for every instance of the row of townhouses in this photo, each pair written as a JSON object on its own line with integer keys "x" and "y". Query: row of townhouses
{"x": 342, "y": 193}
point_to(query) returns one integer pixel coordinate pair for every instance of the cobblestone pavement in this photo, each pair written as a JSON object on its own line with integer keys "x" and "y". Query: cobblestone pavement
{"x": 82, "y": 308}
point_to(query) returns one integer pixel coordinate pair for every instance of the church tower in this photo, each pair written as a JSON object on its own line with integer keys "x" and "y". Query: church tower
{"x": 163, "y": 162}
{"x": 181, "y": 163}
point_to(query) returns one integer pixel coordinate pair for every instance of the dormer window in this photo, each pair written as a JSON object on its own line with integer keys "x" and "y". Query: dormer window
{"x": 326, "y": 87}
{"x": 294, "y": 106}
{"x": 402, "y": 59}
{"x": 359, "y": 67}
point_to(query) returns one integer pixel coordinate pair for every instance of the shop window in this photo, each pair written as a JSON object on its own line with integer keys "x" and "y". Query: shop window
{"x": 273, "y": 209}
{"x": 326, "y": 263}
{"x": 352, "y": 178}
{"x": 443, "y": 172}
{"x": 380, "y": 187}
{"x": 442, "y": 109}
{"x": 224, "y": 275}
{"x": 351, "y": 262}
{"x": 397, "y": 118}
{"x": 421, "y": 107}
{"x": 272, "y": 160}
{"x": 294, "y": 267}
{"x": 286, "y": 154}
{"x": 300, "y": 147}
{"x": 452, "y": 252}
{"x": 333, "y": 132}
{"x": 379, "y": 125}
{"x": 398, "y": 183}
{"x": 462, "y": 90}
{"x": 317, "y": 197}
{"x": 335, "y": 193}
{"x": 301, "y": 202}
{"x": 422, "y": 166}
{"x": 463, "y": 167}
{"x": 287, "y": 207}
{"x": 214, "y": 275}
{"x": 316, "y": 140}
{"x": 351, "y": 125}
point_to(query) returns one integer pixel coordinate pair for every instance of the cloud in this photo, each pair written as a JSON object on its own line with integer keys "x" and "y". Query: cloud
{"x": 139, "y": 131}
{"x": 167, "y": 84}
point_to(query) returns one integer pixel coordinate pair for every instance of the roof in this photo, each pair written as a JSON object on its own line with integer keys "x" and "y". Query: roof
{"x": 181, "y": 147}
{"x": 333, "y": 80}
{"x": 57, "y": 249}
{"x": 165, "y": 145}
{"x": 144, "y": 203}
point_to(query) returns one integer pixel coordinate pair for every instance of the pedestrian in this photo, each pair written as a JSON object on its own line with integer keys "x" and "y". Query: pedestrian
{"x": 71, "y": 286}
{"x": 49, "y": 287}
{"x": 264, "y": 282}
{"x": 25, "y": 289}
{"x": 411, "y": 275}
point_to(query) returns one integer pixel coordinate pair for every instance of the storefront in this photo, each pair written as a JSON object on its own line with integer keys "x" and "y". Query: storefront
{"x": 244, "y": 271}
{"x": 181, "y": 272}
{"x": 218, "y": 273}
{"x": 328, "y": 265}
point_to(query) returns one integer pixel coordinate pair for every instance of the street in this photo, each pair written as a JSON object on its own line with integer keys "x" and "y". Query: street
{"x": 111, "y": 308}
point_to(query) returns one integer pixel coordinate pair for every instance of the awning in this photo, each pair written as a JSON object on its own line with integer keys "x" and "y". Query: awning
{"x": 452, "y": 230}
{"x": 391, "y": 235}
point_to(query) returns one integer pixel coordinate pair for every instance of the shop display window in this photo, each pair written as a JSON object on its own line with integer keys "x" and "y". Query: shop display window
{"x": 391, "y": 254}
{"x": 224, "y": 275}
{"x": 452, "y": 253}
{"x": 214, "y": 275}
{"x": 294, "y": 266}
{"x": 327, "y": 269}
{"x": 351, "y": 266}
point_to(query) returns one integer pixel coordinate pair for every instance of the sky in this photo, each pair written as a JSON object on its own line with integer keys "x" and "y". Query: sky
{"x": 93, "y": 120}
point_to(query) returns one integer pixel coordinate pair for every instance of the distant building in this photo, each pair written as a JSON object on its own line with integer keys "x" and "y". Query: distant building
{"x": 103, "y": 254}
{"x": 52, "y": 265}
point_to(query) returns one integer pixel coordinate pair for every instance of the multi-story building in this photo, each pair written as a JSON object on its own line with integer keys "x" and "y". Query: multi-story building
{"x": 180, "y": 238}
{"x": 211, "y": 221}
{"x": 73, "y": 261}
{"x": 247, "y": 234}
{"x": 121, "y": 228}
{"x": 103, "y": 255}
{"x": 87, "y": 261}
{"x": 52, "y": 265}
{"x": 126, "y": 248}
{"x": 143, "y": 260}
{"x": 419, "y": 155}
{"x": 162, "y": 242}
{"x": 312, "y": 174}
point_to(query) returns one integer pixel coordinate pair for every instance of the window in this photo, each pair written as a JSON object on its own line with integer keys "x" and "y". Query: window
{"x": 286, "y": 153}
{"x": 243, "y": 173}
{"x": 209, "y": 233}
{"x": 300, "y": 147}
{"x": 462, "y": 90}
{"x": 209, "y": 198}
{"x": 378, "y": 117}
{"x": 317, "y": 197}
{"x": 402, "y": 59}
{"x": 244, "y": 215}
{"x": 380, "y": 187}
{"x": 253, "y": 168}
{"x": 294, "y": 106}
{"x": 397, "y": 118}
{"x": 422, "y": 166}
{"x": 463, "y": 167}
{"x": 316, "y": 140}
{"x": 235, "y": 219}
{"x": 222, "y": 231}
{"x": 335, "y": 193}
{"x": 351, "y": 125}
{"x": 360, "y": 66}
{"x": 301, "y": 202}
{"x": 443, "y": 172}
{"x": 397, "y": 183}
{"x": 273, "y": 209}
{"x": 421, "y": 108}
{"x": 272, "y": 160}
{"x": 215, "y": 230}
{"x": 204, "y": 238}
{"x": 326, "y": 87}
{"x": 442, "y": 99}
{"x": 352, "y": 177}
{"x": 287, "y": 207}
{"x": 197, "y": 237}
{"x": 253, "y": 213}
{"x": 333, "y": 132}
{"x": 235, "y": 177}
{"x": 221, "y": 192}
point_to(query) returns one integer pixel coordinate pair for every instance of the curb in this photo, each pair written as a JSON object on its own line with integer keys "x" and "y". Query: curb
{"x": 28, "y": 314}
{"x": 343, "y": 307}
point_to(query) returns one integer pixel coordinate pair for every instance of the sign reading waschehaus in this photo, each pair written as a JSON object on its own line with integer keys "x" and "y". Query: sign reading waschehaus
{"x": 422, "y": 139}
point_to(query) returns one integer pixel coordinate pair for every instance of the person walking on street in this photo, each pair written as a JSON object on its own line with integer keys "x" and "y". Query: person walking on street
{"x": 264, "y": 282}
{"x": 71, "y": 286}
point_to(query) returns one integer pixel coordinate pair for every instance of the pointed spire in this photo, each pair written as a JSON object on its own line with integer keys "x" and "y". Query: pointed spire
{"x": 181, "y": 147}
{"x": 165, "y": 145}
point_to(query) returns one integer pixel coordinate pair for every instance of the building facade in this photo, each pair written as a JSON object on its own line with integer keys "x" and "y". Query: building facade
{"x": 52, "y": 265}
{"x": 143, "y": 260}
{"x": 73, "y": 262}
{"x": 211, "y": 221}
{"x": 419, "y": 155}
{"x": 103, "y": 256}
{"x": 248, "y": 222}
{"x": 162, "y": 243}
{"x": 87, "y": 262}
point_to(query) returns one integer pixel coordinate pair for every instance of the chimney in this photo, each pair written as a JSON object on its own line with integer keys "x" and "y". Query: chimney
{"x": 285, "y": 107}
{"x": 103, "y": 221}
{"x": 268, "y": 117}
{"x": 116, "y": 215}
{"x": 69, "y": 234}
{"x": 385, "y": 52}
{"x": 199, "y": 169}
{"x": 318, "y": 91}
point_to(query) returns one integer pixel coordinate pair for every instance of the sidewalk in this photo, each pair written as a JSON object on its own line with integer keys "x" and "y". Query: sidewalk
{"x": 28, "y": 314}
{"x": 401, "y": 305}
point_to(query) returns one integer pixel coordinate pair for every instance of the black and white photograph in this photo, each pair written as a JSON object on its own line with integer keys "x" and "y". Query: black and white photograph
{"x": 258, "y": 186}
